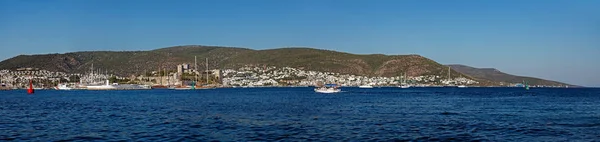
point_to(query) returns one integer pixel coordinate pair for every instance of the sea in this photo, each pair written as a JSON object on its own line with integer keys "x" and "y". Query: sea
{"x": 300, "y": 114}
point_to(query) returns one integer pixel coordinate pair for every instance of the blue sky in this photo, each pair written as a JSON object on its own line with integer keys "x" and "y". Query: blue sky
{"x": 551, "y": 39}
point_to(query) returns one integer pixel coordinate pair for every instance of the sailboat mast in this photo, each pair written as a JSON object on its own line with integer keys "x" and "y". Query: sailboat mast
{"x": 206, "y": 70}
{"x": 92, "y": 69}
{"x": 160, "y": 74}
{"x": 404, "y": 78}
{"x": 168, "y": 78}
{"x": 196, "y": 68}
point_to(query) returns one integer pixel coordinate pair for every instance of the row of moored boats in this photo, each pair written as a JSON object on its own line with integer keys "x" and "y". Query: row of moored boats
{"x": 333, "y": 88}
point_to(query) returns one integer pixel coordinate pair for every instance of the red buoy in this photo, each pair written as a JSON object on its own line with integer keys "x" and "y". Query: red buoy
{"x": 30, "y": 90}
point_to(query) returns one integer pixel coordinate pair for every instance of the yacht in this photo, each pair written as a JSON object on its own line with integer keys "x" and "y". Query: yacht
{"x": 329, "y": 88}
{"x": 106, "y": 86}
{"x": 62, "y": 87}
{"x": 405, "y": 86}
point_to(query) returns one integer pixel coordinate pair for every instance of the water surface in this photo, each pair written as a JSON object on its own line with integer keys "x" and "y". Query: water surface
{"x": 299, "y": 114}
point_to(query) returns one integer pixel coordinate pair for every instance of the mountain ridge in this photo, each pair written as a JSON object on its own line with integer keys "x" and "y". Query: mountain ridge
{"x": 125, "y": 63}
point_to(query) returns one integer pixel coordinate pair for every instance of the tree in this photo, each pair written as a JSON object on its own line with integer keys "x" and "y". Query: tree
{"x": 113, "y": 79}
{"x": 74, "y": 78}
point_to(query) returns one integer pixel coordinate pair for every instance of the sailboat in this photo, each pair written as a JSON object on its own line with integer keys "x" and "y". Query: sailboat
{"x": 207, "y": 85}
{"x": 160, "y": 86}
{"x": 526, "y": 85}
{"x": 404, "y": 84}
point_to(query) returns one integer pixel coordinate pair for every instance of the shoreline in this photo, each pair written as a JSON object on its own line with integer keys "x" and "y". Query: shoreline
{"x": 248, "y": 87}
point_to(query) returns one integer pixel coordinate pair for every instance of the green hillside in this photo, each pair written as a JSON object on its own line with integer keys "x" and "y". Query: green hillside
{"x": 136, "y": 62}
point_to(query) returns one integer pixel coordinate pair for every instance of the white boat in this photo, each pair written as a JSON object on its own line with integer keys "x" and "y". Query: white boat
{"x": 327, "y": 90}
{"x": 185, "y": 88}
{"x": 404, "y": 85}
{"x": 106, "y": 86}
{"x": 365, "y": 86}
{"x": 462, "y": 86}
{"x": 182, "y": 88}
{"x": 62, "y": 87}
{"x": 330, "y": 88}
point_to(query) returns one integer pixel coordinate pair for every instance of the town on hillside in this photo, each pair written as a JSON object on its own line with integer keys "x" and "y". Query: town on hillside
{"x": 185, "y": 75}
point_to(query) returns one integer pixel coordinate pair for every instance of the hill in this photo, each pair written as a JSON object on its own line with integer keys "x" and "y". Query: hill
{"x": 135, "y": 62}
{"x": 495, "y": 75}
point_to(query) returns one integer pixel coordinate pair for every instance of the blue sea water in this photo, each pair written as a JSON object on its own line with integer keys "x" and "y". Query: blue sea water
{"x": 299, "y": 114}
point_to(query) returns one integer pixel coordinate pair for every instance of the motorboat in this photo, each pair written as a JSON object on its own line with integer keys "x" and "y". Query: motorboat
{"x": 461, "y": 86}
{"x": 329, "y": 88}
{"x": 62, "y": 87}
{"x": 404, "y": 86}
{"x": 365, "y": 86}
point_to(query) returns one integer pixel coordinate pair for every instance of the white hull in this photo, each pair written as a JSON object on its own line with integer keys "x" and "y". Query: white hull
{"x": 365, "y": 86}
{"x": 102, "y": 87}
{"x": 319, "y": 90}
{"x": 182, "y": 88}
{"x": 462, "y": 86}
{"x": 63, "y": 87}
{"x": 404, "y": 86}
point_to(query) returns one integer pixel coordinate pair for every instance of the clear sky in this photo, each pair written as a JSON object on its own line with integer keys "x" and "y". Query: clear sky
{"x": 551, "y": 39}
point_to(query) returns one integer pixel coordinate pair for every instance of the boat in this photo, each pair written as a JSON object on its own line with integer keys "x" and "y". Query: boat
{"x": 328, "y": 88}
{"x": 404, "y": 84}
{"x": 159, "y": 87}
{"x": 451, "y": 84}
{"x": 62, "y": 87}
{"x": 365, "y": 86}
{"x": 462, "y": 86}
{"x": 183, "y": 88}
{"x": 106, "y": 86}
